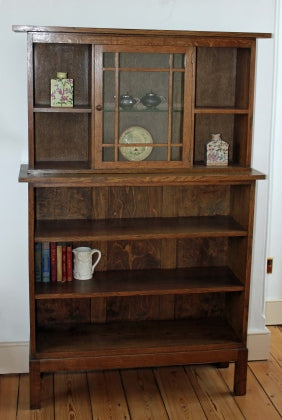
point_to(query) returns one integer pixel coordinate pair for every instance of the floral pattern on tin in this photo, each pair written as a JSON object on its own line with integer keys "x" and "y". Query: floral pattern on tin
{"x": 62, "y": 93}
{"x": 217, "y": 151}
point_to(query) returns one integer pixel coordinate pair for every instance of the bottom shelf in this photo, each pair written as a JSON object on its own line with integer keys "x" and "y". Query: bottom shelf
{"x": 128, "y": 338}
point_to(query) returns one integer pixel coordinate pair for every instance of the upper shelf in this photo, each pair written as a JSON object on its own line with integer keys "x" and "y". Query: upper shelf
{"x": 137, "y": 229}
{"x": 196, "y": 175}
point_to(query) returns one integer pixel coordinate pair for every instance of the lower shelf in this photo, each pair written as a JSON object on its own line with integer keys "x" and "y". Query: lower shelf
{"x": 133, "y": 338}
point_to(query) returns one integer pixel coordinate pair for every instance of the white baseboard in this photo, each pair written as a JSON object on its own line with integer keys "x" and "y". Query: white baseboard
{"x": 258, "y": 343}
{"x": 14, "y": 357}
{"x": 273, "y": 312}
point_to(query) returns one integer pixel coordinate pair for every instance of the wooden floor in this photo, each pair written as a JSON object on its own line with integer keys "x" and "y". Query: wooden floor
{"x": 186, "y": 392}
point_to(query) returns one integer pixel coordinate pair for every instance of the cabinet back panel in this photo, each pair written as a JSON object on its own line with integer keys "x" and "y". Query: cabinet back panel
{"x": 58, "y": 311}
{"x": 140, "y": 308}
{"x": 208, "y": 305}
{"x": 133, "y": 255}
{"x": 143, "y": 255}
{"x": 125, "y": 202}
{"x": 67, "y": 139}
{"x": 63, "y": 203}
{"x": 202, "y": 252}
{"x": 208, "y": 124}
{"x": 52, "y": 58}
{"x": 196, "y": 201}
{"x": 131, "y": 202}
{"x": 216, "y": 77}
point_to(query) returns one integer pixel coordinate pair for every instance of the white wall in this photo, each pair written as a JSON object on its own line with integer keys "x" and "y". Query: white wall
{"x": 217, "y": 15}
{"x": 274, "y": 248}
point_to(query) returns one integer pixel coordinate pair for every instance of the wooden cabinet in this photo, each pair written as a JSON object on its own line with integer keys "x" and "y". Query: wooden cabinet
{"x": 124, "y": 171}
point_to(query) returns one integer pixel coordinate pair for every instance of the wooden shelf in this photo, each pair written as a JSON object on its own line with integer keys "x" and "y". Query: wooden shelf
{"x": 63, "y": 166}
{"x": 144, "y": 282}
{"x": 137, "y": 229}
{"x": 128, "y": 338}
{"x": 74, "y": 110}
{"x": 75, "y": 176}
{"x": 218, "y": 110}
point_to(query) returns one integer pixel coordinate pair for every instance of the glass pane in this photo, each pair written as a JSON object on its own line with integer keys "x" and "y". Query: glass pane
{"x": 109, "y": 90}
{"x": 108, "y": 154}
{"x": 144, "y": 60}
{"x": 108, "y": 107}
{"x": 158, "y": 154}
{"x": 140, "y": 153}
{"x": 176, "y": 153}
{"x": 177, "y": 107}
{"x": 109, "y": 59}
{"x": 108, "y": 127}
{"x": 138, "y": 84}
{"x": 150, "y": 98}
{"x": 156, "y": 123}
{"x": 178, "y": 61}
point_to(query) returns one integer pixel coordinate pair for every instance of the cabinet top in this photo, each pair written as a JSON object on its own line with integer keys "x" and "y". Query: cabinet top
{"x": 139, "y": 32}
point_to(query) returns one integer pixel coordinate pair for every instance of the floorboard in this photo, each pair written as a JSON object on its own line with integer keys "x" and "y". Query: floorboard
{"x": 169, "y": 393}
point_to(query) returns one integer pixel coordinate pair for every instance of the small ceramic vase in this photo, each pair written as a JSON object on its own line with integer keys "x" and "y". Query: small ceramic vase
{"x": 217, "y": 151}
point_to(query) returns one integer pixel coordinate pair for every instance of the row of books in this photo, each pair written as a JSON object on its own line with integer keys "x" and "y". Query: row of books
{"x": 53, "y": 262}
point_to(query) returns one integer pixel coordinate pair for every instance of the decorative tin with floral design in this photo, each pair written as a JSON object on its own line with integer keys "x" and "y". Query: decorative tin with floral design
{"x": 62, "y": 91}
{"x": 217, "y": 151}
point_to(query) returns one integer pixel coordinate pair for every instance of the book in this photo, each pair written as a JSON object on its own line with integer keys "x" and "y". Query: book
{"x": 69, "y": 262}
{"x": 59, "y": 262}
{"x": 37, "y": 262}
{"x": 64, "y": 261}
{"x": 45, "y": 261}
{"x": 53, "y": 261}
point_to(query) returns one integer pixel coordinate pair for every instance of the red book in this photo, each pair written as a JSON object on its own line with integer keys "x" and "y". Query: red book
{"x": 64, "y": 261}
{"x": 53, "y": 261}
{"x": 59, "y": 261}
{"x": 69, "y": 262}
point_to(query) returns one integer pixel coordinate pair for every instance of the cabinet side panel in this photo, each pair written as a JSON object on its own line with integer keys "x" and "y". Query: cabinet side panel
{"x": 240, "y": 204}
{"x": 31, "y": 192}
{"x": 243, "y": 77}
{"x": 30, "y": 76}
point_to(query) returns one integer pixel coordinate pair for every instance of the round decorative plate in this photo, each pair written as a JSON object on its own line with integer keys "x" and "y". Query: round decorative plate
{"x": 136, "y": 135}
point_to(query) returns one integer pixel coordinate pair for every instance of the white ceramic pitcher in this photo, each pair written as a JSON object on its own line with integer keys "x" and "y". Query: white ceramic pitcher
{"x": 83, "y": 268}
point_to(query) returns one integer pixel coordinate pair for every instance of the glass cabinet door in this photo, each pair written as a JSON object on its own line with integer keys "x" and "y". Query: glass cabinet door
{"x": 143, "y": 107}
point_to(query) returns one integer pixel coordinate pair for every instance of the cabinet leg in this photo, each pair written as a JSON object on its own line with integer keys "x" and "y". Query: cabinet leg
{"x": 34, "y": 384}
{"x": 240, "y": 375}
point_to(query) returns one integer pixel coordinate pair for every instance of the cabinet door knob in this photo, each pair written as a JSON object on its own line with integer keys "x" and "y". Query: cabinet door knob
{"x": 99, "y": 107}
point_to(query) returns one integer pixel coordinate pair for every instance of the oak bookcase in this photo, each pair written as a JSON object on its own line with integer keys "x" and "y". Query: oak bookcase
{"x": 172, "y": 286}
